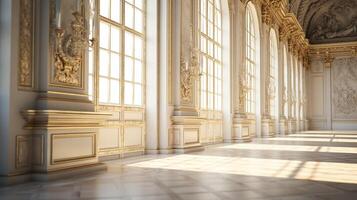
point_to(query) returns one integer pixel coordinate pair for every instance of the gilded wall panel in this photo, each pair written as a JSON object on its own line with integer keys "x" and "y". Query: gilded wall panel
{"x": 26, "y": 41}
{"x": 69, "y": 39}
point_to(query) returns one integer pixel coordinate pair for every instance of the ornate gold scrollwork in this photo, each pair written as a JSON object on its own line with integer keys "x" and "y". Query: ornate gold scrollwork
{"x": 243, "y": 89}
{"x": 266, "y": 14}
{"x": 69, "y": 53}
{"x": 26, "y": 44}
{"x": 189, "y": 73}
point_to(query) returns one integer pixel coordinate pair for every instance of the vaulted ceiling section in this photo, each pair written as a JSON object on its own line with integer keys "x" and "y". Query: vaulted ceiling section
{"x": 327, "y": 21}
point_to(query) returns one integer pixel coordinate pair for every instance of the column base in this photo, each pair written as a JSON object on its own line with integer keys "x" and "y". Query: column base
{"x": 283, "y": 127}
{"x": 291, "y": 126}
{"x": 242, "y": 130}
{"x": 63, "y": 139}
{"x": 268, "y": 127}
{"x": 306, "y": 125}
{"x": 186, "y": 134}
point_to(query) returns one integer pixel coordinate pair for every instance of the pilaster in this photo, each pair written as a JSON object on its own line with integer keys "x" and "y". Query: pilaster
{"x": 63, "y": 122}
{"x": 185, "y": 120}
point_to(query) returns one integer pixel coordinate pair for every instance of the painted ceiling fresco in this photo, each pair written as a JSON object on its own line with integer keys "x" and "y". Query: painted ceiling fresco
{"x": 327, "y": 21}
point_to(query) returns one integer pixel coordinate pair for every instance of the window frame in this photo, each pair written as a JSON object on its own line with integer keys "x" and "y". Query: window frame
{"x": 213, "y": 76}
{"x": 250, "y": 61}
{"x": 123, "y": 30}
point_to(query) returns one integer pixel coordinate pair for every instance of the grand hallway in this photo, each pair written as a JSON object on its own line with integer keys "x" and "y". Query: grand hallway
{"x": 307, "y": 165}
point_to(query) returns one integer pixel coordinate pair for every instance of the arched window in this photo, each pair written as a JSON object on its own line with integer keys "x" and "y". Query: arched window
{"x": 210, "y": 38}
{"x": 121, "y": 52}
{"x": 285, "y": 84}
{"x": 273, "y": 72}
{"x": 251, "y": 58}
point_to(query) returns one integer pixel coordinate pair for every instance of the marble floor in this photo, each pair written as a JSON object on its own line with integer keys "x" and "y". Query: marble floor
{"x": 306, "y": 166}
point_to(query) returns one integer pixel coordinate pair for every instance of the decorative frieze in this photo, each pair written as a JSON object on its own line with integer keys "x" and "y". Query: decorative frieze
{"x": 26, "y": 35}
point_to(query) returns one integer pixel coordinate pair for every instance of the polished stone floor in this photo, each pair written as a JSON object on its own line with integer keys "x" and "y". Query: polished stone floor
{"x": 306, "y": 166}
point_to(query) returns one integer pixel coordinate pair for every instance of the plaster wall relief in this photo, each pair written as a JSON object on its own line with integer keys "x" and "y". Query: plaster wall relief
{"x": 26, "y": 39}
{"x": 344, "y": 77}
{"x": 189, "y": 74}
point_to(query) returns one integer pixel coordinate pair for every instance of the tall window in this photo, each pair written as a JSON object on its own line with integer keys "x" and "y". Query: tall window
{"x": 250, "y": 60}
{"x": 273, "y": 72}
{"x": 293, "y": 86}
{"x": 285, "y": 91}
{"x": 121, "y": 52}
{"x": 211, "y": 55}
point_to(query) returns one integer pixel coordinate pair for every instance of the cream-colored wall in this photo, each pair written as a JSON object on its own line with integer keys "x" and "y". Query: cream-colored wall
{"x": 326, "y": 86}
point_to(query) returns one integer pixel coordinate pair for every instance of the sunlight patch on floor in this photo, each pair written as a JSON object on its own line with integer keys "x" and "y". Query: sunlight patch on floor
{"x": 303, "y": 148}
{"x": 277, "y": 168}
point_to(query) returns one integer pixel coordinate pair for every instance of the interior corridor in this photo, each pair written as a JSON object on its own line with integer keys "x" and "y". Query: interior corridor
{"x": 308, "y": 165}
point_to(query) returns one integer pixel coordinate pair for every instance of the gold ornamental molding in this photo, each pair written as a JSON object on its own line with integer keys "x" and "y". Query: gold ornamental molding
{"x": 333, "y": 50}
{"x": 26, "y": 42}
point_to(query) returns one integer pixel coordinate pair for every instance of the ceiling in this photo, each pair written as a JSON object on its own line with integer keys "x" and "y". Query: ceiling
{"x": 327, "y": 21}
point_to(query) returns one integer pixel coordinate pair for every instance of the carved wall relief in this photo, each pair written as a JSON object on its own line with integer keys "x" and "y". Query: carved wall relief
{"x": 25, "y": 69}
{"x": 243, "y": 89}
{"x": 189, "y": 73}
{"x": 345, "y": 88}
{"x": 69, "y": 53}
{"x": 70, "y": 40}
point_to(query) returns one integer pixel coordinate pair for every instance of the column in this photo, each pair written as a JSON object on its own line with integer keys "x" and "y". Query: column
{"x": 268, "y": 124}
{"x": 241, "y": 124}
{"x": 290, "y": 87}
{"x": 186, "y": 123}
{"x": 328, "y": 59}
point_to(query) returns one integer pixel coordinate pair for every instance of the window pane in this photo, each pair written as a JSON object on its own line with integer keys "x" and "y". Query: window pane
{"x": 104, "y": 8}
{"x": 210, "y": 101}
{"x": 115, "y": 66}
{"x": 139, "y": 4}
{"x": 138, "y": 72}
{"x": 115, "y": 10}
{"x": 90, "y": 87}
{"x": 103, "y": 90}
{"x": 114, "y": 91}
{"x": 128, "y": 93}
{"x": 203, "y": 99}
{"x": 104, "y": 35}
{"x": 138, "y": 20}
{"x": 91, "y": 61}
{"x": 129, "y": 43}
{"x": 103, "y": 63}
{"x": 138, "y": 47}
{"x": 129, "y": 15}
{"x": 129, "y": 69}
{"x": 138, "y": 95}
{"x": 130, "y": 1}
{"x": 115, "y": 39}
